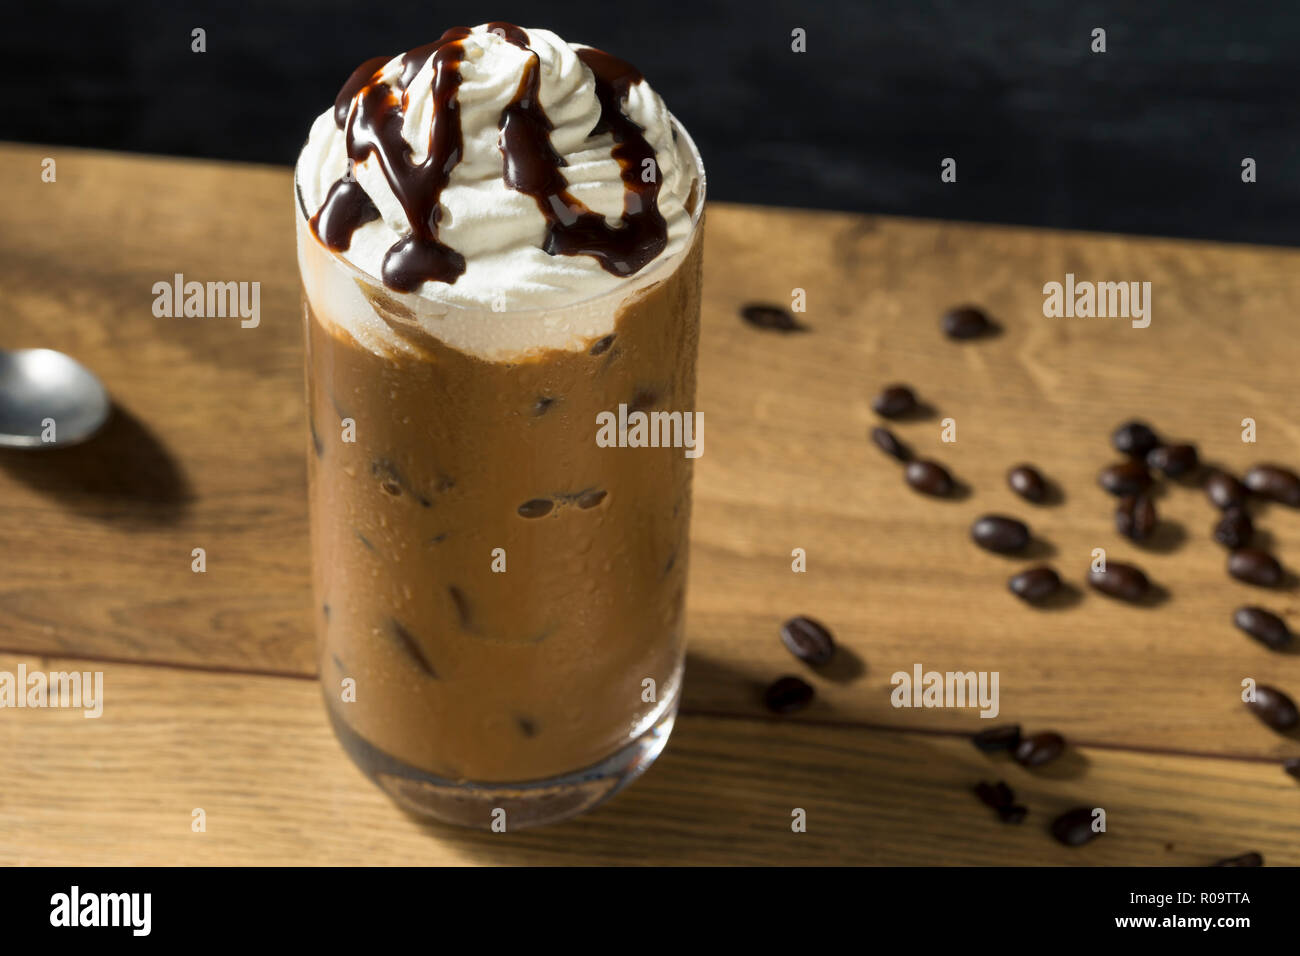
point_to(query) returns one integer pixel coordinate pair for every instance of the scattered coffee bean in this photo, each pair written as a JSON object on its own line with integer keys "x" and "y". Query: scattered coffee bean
{"x": 536, "y": 508}
{"x": 929, "y": 478}
{"x": 1274, "y": 483}
{"x": 542, "y": 405}
{"x": 1174, "y": 460}
{"x": 808, "y": 640}
{"x": 602, "y": 345}
{"x": 771, "y": 317}
{"x": 995, "y": 795}
{"x": 1264, "y": 626}
{"x": 966, "y": 322}
{"x": 1074, "y": 827}
{"x": 1039, "y": 749}
{"x": 1123, "y": 581}
{"x": 1134, "y": 439}
{"x": 888, "y": 442}
{"x": 788, "y": 694}
{"x": 591, "y": 498}
{"x": 999, "y": 533}
{"x": 1125, "y": 478}
{"x": 1035, "y": 584}
{"x": 1274, "y": 708}
{"x": 1005, "y": 737}
{"x": 1246, "y": 859}
{"x": 1015, "y": 813}
{"x": 1135, "y": 517}
{"x": 1026, "y": 481}
{"x": 1235, "y": 529}
{"x": 1292, "y": 766}
{"x": 463, "y": 611}
{"x": 1255, "y": 567}
{"x": 407, "y": 642}
{"x": 1225, "y": 491}
{"x": 893, "y": 401}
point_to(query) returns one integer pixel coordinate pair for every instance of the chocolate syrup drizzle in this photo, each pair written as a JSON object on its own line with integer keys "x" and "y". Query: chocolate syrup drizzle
{"x": 530, "y": 164}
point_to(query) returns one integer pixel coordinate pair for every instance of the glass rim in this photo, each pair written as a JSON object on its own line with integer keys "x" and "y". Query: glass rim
{"x": 634, "y": 283}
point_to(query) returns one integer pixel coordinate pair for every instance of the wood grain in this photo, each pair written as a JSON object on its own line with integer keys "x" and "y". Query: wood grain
{"x": 256, "y": 755}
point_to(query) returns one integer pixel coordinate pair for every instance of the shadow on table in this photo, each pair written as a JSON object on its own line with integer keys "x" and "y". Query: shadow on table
{"x": 124, "y": 464}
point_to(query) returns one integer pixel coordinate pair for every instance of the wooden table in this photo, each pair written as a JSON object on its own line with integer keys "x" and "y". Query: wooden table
{"x": 211, "y": 697}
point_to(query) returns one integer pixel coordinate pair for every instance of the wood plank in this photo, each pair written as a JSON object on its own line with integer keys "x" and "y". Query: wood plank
{"x": 255, "y": 753}
{"x": 211, "y": 453}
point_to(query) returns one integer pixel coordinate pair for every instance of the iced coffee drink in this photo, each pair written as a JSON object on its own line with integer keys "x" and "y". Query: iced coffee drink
{"x": 499, "y": 236}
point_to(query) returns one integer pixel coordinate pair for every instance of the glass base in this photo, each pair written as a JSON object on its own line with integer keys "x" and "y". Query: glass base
{"x": 530, "y": 804}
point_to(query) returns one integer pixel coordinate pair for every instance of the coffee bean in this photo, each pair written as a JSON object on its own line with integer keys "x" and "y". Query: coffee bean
{"x": 536, "y": 508}
{"x": 1125, "y": 478}
{"x": 1135, "y": 517}
{"x": 1134, "y": 439}
{"x": 808, "y": 640}
{"x": 1225, "y": 491}
{"x": 1074, "y": 827}
{"x": 527, "y": 726}
{"x": 999, "y": 533}
{"x": 966, "y": 322}
{"x": 787, "y": 694}
{"x": 1123, "y": 581}
{"x": 771, "y": 317}
{"x": 1005, "y": 737}
{"x": 1274, "y": 708}
{"x": 463, "y": 611}
{"x": 888, "y": 442}
{"x": 894, "y": 401}
{"x": 1013, "y": 814}
{"x": 1027, "y": 483}
{"x": 1039, "y": 749}
{"x": 1235, "y": 529}
{"x": 1264, "y": 626}
{"x": 995, "y": 795}
{"x": 1255, "y": 567}
{"x": 542, "y": 404}
{"x": 1035, "y": 584}
{"x": 408, "y": 643}
{"x": 1275, "y": 484}
{"x": 929, "y": 478}
{"x": 1174, "y": 460}
{"x": 591, "y": 498}
{"x": 602, "y": 345}
{"x": 1246, "y": 859}
{"x": 1292, "y": 766}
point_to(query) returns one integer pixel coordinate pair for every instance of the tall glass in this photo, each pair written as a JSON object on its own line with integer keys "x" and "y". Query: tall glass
{"x": 499, "y": 595}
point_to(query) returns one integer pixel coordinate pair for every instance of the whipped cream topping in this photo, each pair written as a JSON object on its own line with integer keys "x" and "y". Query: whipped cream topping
{"x": 499, "y": 170}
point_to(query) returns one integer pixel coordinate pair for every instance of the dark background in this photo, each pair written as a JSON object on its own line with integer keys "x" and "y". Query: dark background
{"x": 1147, "y": 137}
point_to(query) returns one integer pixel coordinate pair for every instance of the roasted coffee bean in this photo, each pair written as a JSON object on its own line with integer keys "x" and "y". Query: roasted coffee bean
{"x": 1274, "y": 483}
{"x": 1174, "y": 460}
{"x": 536, "y": 508}
{"x": 888, "y": 442}
{"x": 407, "y": 642}
{"x": 893, "y": 401}
{"x": 770, "y": 317}
{"x": 542, "y": 404}
{"x": 1013, "y": 814}
{"x": 929, "y": 478}
{"x": 1074, "y": 827}
{"x": 1274, "y": 708}
{"x": 591, "y": 498}
{"x": 788, "y": 694}
{"x": 1005, "y": 737}
{"x": 1235, "y": 529}
{"x": 1246, "y": 859}
{"x": 1225, "y": 491}
{"x": 1134, "y": 439}
{"x": 1135, "y": 517}
{"x": 966, "y": 322}
{"x": 1292, "y": 766}
{"x": 1125, "y": 478}
{"x": 1027, "y": 483}
{"x": 1035, "y": 584}
{"x": 1039, "y": 749}
{"x": 995, "y": 795}
{"x": 464, "y": 613}
{"x": 999, "y": 533}
{"x": 1255, "y": 567}
{"x": 602, "y": 345}
{"x": 1264, "y": 626}
{"x": 808, "y": 640}
{"x": 1123, "y": 581}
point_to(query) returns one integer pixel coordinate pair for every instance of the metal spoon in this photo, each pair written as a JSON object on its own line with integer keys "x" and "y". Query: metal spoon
{"x": 37, "y": 385}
